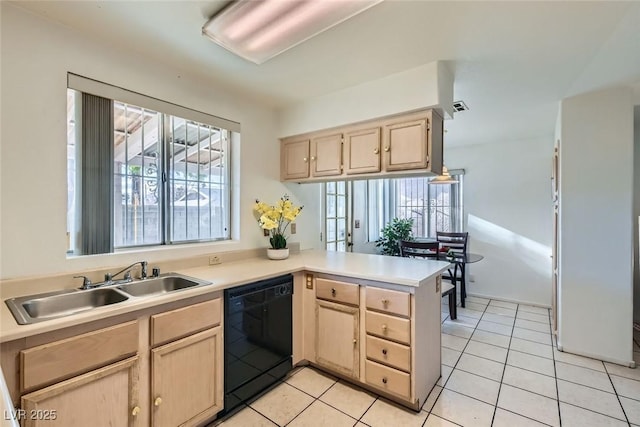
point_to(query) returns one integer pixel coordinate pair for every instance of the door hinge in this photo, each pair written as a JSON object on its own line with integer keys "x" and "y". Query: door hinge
{"x": 321, "y": 236}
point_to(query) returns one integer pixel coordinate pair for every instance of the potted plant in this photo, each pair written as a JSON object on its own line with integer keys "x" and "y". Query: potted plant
{"x": 397, "y": 229}
{"x": 276, "y": 219}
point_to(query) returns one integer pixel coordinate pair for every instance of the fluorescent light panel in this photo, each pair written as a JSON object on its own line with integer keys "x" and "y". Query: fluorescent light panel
{"x": 258, "y": 30}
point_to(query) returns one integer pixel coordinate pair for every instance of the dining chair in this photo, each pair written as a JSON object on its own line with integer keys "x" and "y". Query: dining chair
{"x": 455, "y": 242}
{"x": 430, "y": 250}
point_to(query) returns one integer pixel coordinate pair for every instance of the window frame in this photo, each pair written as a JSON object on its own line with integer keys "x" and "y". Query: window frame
{"x": 229, "y": 132}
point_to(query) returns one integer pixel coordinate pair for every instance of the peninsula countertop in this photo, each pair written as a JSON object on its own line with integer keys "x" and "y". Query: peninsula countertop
{"x": 397, "y": 271}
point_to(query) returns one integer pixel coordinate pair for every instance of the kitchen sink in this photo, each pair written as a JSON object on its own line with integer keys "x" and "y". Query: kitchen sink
{"x": 37, "y": 308}
{"x": 161, "y": 285}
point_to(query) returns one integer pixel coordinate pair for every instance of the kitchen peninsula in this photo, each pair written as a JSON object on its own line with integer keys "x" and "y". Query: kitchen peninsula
{"x": 373, "y": 320}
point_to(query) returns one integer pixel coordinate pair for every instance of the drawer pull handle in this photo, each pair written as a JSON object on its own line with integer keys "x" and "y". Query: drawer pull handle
{"x": 384, "y": 380}
{"x": 135, "y": 411}
{"x": 384, "y": 328}
{"x": 385, "y": 301}
{"x": 333, "y": 292}
{"x": 158, "y": 401}
{"x": 384, "y": 351}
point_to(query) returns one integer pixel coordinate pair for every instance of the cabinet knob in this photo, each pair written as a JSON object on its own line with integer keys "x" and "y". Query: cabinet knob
{"x": 135, "y": 411}
{"x": 333, "y": 292}
{"x": 355, "y": 341}
{"x": 376, "y": 151}
{"x": 305, "y": 159}
{"x": 313, "y": 157}
{"x": 384, "y": 328}
{"x": 384, "y": 351}
{"x": 158, "y": 401}
{"x": 386, "y": 149}
{"x": 385, "y": 301}
{"x": 384, "y": 380}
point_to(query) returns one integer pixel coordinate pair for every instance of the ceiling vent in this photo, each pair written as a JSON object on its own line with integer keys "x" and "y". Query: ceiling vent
{"x": 459, "y": 106}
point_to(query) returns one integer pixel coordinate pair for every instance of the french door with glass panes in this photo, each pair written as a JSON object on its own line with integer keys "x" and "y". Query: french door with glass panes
{"x": 337, "y": 227}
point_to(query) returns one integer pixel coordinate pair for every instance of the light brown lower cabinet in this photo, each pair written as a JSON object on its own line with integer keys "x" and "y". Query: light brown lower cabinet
{"x": 159, "y": 367}
{"x": 103, "y": 397}
{"x": 382, "y": 337}
{"x": 337, "y": 337}
{"x": 186, "y": 384}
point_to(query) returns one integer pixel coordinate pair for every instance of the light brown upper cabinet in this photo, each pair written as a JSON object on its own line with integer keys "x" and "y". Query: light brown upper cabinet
{"x": 405, "y": 145}
{"x": 362, "y": 150}
{"x": 401, "y": 145}
{"x": 326, "y": 155}
{"x": 294, "y": 159}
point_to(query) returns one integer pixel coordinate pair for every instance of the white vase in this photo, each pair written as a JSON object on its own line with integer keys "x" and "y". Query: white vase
{"x": 278, "y": 253}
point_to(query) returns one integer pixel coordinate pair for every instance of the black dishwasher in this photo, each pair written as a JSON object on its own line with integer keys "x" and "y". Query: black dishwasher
{"x": 257, "y": 337}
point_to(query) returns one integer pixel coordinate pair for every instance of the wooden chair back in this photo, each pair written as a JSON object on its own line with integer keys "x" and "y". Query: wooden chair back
{"x": 457, "y": 242}
{"x": 418, "y": 249}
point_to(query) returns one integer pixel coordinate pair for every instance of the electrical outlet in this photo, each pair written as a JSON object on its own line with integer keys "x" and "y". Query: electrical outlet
{"x": 293, "y": 228}
{"x": 265, "y": 232}
{"x": 214, "y": 260}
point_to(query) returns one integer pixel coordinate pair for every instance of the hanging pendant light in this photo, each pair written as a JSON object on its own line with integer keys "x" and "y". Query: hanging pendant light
{"x": 445, "y": 178}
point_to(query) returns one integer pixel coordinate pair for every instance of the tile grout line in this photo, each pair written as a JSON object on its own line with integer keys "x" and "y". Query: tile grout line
{"x": 495, "y": 408}
{"x": 321, "y": 394}
{"x": 444, "y": 384}
{"x": 617, "y": 395}
{"x": 555, "y": 372}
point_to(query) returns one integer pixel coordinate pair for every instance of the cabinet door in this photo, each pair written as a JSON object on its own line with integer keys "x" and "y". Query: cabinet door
{"x": 337, "y": 332}
{"x": 104, "y": 397}
{"x": 362, "y": 151}
{"x": 186, "y": 382}
{"x": 326, "y": 155}
{"x": 406, "y": 145}
{"x": 295, "y": 159}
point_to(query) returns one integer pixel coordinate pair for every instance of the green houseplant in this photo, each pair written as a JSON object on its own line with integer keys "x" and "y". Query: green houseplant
{"x": 397, "y": 229}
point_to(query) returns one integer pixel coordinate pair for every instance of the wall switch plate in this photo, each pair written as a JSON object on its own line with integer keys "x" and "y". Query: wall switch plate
{"x": 214, "y": 260}
{"x": 356, "y": 223}
{"x": 472, "y": 278}
{"x": 293, "y": 228}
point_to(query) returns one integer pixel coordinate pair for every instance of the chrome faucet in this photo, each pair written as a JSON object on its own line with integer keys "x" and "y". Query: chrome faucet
{"x": 127, "y": 273}
{"x": 108, "y": 277}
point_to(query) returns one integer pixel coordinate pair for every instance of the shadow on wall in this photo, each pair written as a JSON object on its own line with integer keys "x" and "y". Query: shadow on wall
{"x": 515, "y": 267}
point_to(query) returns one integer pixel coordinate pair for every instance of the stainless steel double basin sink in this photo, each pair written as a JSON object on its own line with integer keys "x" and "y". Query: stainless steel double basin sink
{"x": 37, "y": 308}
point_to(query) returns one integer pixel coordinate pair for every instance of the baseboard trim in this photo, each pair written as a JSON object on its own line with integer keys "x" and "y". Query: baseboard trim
{"x": 515, "y": 301}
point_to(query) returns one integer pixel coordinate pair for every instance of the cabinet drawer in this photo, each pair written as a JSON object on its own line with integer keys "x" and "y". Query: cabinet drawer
{"x": 388, "y": 379}
{"x": 389, "y": 301}
{"x": 332, "y": 290}
{"x": 59, "y": 360}
{"x": 389, "y": 327}
{"x": 184, "y": 321}
{"x": 389, "y": 353}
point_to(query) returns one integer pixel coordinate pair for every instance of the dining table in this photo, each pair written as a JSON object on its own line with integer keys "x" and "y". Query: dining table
{"x": 460, "y": 260}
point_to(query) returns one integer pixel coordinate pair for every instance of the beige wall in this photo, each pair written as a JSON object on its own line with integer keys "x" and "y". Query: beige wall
{"x": 36, "y": 56}
{"x": 508, "y": 214}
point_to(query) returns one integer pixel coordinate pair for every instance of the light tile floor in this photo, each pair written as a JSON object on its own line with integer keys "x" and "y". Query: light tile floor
{"x": 499, "y": 368}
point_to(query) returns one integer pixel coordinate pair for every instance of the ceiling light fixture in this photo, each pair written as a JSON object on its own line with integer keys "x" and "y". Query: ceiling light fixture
{"x": 445, "y": 178}
{"x": 258, "y": 30}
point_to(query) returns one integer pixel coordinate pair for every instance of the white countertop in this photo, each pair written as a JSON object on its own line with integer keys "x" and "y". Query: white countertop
{"x": 394, "y": 270}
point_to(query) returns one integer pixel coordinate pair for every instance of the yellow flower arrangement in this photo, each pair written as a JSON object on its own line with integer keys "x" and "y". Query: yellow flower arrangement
{"x": 276, "y": 219}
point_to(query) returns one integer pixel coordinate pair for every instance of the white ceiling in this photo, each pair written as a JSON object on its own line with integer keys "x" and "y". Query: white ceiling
{"x": 512, "y": 61}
